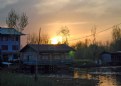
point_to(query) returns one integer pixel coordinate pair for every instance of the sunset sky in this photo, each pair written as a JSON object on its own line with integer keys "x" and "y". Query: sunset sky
{"x": 78, "y": 15}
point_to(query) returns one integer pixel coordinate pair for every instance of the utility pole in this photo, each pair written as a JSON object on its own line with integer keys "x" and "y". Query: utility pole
{"x": 36, "y": 70}
{"x": 93, "y": 31}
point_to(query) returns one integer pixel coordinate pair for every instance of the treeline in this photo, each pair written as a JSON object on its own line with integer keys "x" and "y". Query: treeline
{"x": 91, "y": 50}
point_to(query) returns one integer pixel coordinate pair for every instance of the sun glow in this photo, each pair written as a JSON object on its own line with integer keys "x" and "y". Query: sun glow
{"x": 56, "y": 40}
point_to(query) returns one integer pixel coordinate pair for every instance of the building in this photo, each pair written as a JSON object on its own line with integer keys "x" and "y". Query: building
{"x": 9, "y": 44}
{"x": 111, "y": 58}
{"x": 48, "y": 57}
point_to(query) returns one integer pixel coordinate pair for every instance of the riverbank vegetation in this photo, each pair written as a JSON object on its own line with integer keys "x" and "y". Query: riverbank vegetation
{"x": 88, "y": 52}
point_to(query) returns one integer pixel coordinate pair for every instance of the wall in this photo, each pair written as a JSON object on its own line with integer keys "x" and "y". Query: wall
{"x": 9, "y": 40}
{"x": 106, "y": 57}
{"x": 29, "y": 56}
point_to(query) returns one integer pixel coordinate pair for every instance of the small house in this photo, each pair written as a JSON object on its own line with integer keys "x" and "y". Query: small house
{"x": 111, "y": 58}
{"x": 46, "y": 56}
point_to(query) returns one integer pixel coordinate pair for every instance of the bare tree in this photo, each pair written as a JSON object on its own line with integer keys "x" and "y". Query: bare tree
{"x": 12, "y": 19}
{"x": 16, "y": 21}
{"x": 32, "y": 39}
{"x": 116, "y": 36}
{"x": 64, "y": 32}
{"x": 116, "y": 33}
{"x": 87, "y": 42}
{"x": 40, "y": 39}
{"x": 23, "y": 22}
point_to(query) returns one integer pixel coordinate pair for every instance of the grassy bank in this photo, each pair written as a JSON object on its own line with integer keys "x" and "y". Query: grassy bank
{"x": 13, "y": 79}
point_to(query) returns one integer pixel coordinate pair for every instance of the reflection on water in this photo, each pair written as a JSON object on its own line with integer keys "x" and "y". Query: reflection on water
{"x": 107, "y": 81}
{"x": 104, "y": 76}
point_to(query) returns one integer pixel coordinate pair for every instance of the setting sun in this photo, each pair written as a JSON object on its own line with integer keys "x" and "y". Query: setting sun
{"x": 56, "y": 40}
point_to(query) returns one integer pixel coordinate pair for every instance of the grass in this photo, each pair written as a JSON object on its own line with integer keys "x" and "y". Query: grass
{"x": 13, "y": 79}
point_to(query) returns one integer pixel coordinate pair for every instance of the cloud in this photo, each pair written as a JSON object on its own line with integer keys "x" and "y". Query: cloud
{"x": 70, "y": 12}
{"x": 4, "y": 3}
{"x": 67, "y": 23}
{"x": 78, "y": 10}
{"x": 46, "y": 11}
{"x": 47, "y": 6}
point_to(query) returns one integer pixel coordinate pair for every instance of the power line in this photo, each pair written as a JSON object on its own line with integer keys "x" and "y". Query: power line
{"x": 96, "y": 33}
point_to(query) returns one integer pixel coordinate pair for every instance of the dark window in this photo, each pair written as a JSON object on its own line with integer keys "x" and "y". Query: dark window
{"x": 4, "y": 47}
{"x": 5, "y": 38}
{"x": 14, "y": 47}
{"x": 17, "y": 38}
{"x": 15, "y": 56}
{"x": 27, "y": 58}
{"x": 0, "y": 38}
{"x": 13, "y": 38}
{"x": 5, "y": 58}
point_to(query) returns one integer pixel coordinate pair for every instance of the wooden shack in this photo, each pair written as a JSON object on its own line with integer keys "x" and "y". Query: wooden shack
{"x": 48, "y": 57}
{"x": 110, "y": 58}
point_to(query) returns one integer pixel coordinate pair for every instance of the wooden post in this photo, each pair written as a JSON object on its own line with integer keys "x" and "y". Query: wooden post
{"x": 36, "y": 78}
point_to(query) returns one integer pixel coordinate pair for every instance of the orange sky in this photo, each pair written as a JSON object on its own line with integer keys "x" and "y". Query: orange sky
{"x": 78, "y": 15}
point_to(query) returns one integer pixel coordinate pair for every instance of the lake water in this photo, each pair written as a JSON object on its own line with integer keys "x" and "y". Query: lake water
{"x": 105, "y": 76}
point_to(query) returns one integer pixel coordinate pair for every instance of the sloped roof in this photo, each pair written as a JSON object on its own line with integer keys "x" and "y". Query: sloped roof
{"x": 9, "y": 31}
{"x": 48, "y": 48}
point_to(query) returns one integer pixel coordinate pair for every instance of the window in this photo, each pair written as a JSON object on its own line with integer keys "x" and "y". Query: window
{"x": 28, "y": 57}
{"x": 0, "y": 38}
{"x": 45, "y": 57}
{"x": 13, "y": 38}
{"x": 5, "y": 58}
{"x": 17, "y": 38}
{"x": 4, "y": 47}
{"x": 56, "y": 56}
{"x": 14, "y": 47}
{"x": 4, "y": 38}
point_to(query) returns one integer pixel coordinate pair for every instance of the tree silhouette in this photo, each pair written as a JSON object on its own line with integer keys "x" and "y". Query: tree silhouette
{"x": 18, "y": 22}
{"x": 64, "y": 32}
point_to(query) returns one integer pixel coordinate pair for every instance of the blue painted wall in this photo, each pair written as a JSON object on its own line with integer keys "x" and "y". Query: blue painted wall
{"x": 106, "y": 58}
{"x": 10, "y": 43}
{"x": 11, "y": 40}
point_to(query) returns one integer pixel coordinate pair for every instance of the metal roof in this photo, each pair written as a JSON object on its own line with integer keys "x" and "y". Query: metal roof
{"x": 49, "y": 47}
{"x": 9, "y": 31}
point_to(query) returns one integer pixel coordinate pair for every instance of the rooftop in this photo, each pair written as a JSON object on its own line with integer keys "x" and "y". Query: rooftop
{"x": 49, "y": 47}
{"x": 9, "y": 31}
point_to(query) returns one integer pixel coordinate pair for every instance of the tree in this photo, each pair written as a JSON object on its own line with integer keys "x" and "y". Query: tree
{"x": 64, "y": 32}
{"x": 40, "y": 39}
{"x": 34, "y": 39}
{"x": 87, "y": 42}
{"x": 116, "y": 33}
{"x": 16, "y": 21}
{"x": 116, "y": 36}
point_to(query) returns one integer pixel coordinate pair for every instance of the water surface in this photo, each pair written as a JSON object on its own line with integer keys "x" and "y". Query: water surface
{"x": 105, "y": 76}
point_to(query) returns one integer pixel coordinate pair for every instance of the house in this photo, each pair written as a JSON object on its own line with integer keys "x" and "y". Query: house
{"x": 111, "y": 58}
{"x": 9, "y": 44}
{"x": 46, "y": 56}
